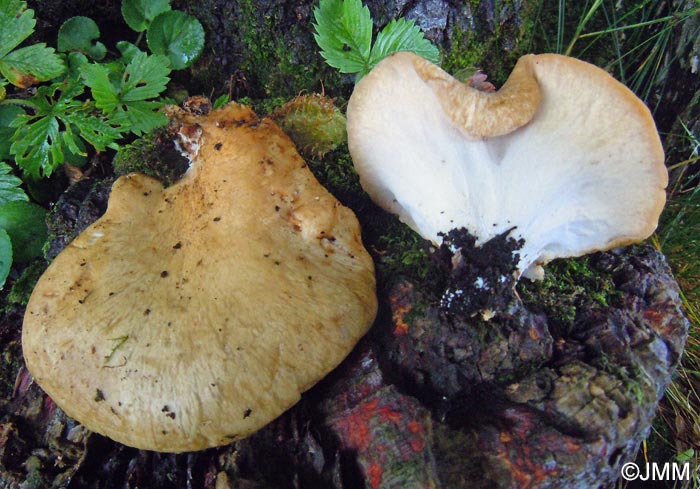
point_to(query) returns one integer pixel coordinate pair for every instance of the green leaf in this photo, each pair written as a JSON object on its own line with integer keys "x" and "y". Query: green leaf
{"x": 344, "y": 34}
{"x": 8, "y": 113}
{"x": 402, "y": 35}
{"x": 221, "y": 101}
{"x": 178, "y": 36}
{"x": 128, "y": 51}
{"x": 37, "y": 146}
{"x": 17, "y": 24}
{"x": 80, "y": 34}
{"x": 96, "y": 76}
{"x": 139, "y": 14}
{"x": 126, "y": 101}
{"x": 5, "y": 256}
{"x": 26, "y": 226}
{"x": 26, "y": 66}
{"x": 140, "y": 117}
{"x": 145, "y": 77}
{"x": 10, "y": 185}
{"x": 94, "y": 130}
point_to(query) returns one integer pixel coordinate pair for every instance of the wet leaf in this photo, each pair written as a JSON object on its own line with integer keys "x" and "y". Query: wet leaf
{"x": 178, "y": 36}
{"x": 80, "y": 34}
{"x": 139, "y": 14}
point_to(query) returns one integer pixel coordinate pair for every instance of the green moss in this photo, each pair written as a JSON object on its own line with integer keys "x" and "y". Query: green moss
{"x": 265, "y": 106}
{"x": 270, "y": 59}
{"x": 494, "y": 46}
{"x": 23, "y": 286}
{"x": 569, "y": 285}
{"x": 154, "y": 155}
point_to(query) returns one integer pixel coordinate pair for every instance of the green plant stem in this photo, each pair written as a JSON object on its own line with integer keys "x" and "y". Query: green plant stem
{"x": 631, "y": 26}
{"x": 581, "y": 25}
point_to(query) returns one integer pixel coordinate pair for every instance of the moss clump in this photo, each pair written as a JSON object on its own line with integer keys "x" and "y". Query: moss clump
{"x": 497, "y": 41}
{"x": 23, "y": 286}
{"x": 154, "y": 155}
{"x": 569, "y": 285}
{"x": 265, "y": 106}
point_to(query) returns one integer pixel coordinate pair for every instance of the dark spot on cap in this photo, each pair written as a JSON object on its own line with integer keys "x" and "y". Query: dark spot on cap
{"x": 247, "y": 413}
{"x": 217, "y": 146}
{"x": 164, "y": 274}
{"x": 99, "y": 396}
{"x": 177, "y": 245}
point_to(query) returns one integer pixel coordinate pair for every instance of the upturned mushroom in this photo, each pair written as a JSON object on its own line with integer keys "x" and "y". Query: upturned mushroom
{"x": 562, "y": 157}
{"x": 190, "y": 316}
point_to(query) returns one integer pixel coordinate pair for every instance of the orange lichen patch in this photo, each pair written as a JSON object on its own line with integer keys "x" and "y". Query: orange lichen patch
{"x": 374, "y": 475}
{"x": 400, "y": 304}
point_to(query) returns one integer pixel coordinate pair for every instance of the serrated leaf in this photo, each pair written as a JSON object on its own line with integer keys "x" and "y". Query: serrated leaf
{"x": 402, "y": 35}
{"x": 96, "y": 76}
{"x": 25, "y": 223}
{"x": 37, "y": 146}
{"x": 344, "y": 34}
{"x": 145, "y": 77}
{"x": 10, "y": 185}
{"x": 17, "y": 24}
{"x": 139, "y": 14}
{"x": 5, "y": 256}
{"x": 81, "y": 34}
{"x": 76, "y": 154}
{"x": 92, "y": 129}
{"x": 141, "y": 116}
{"x": 26, "y": 66}
{"x": 8, "y": 114}
{"x": 178, "y": 36}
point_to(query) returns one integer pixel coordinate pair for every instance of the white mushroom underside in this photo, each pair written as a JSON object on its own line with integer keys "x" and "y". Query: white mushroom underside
{"x": 569, "y": 181}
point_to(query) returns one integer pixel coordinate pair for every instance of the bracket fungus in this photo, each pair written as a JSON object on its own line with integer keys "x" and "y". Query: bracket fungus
{"x": 563, "y": 159}
{"x": 190, "y": 316}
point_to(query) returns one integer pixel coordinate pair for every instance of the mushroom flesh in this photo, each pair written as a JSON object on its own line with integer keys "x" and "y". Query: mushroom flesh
{"x": 190, "y": 316}
{"x": 563, "y": 159}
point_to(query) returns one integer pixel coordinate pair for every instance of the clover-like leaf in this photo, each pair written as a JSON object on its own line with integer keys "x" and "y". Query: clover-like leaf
{"x": 139, "y": 14}
{"x": 178, "y": 36}
{"x": 80, "y": 34}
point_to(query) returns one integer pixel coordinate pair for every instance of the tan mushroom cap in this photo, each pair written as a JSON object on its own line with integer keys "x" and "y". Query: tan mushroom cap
{"x": 563, "y": 153}
{"x": 189, "y": 317}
